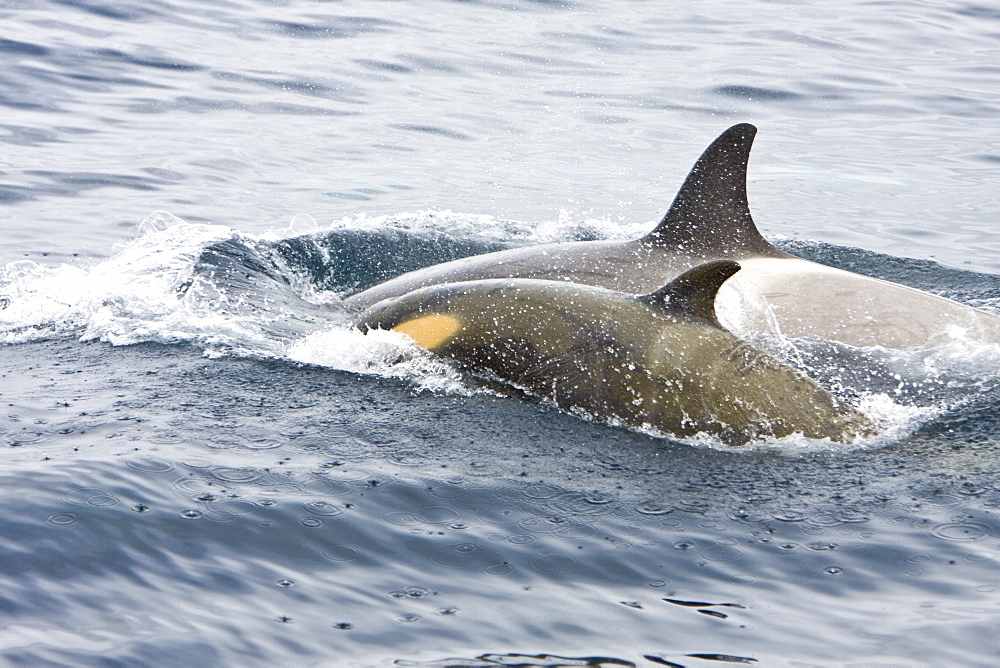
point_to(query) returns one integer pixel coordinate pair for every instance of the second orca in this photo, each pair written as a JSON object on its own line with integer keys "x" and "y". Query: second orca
{"x": 710, "y": 219}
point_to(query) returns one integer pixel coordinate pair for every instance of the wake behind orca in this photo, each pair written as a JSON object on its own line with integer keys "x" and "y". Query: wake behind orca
{"x": 710, "y": 219}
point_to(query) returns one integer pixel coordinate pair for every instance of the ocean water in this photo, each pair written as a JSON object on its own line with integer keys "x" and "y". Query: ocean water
{"x": 202, "y": 464}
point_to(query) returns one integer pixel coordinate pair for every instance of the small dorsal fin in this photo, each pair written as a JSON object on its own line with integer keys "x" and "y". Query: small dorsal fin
{"x": 710, "y": 215}
{"x": 692, "y": 294}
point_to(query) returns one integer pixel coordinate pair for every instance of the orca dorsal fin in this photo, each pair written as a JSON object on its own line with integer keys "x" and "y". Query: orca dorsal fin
{"x": 710, "y": 215}
{"x": 692, "y": 294}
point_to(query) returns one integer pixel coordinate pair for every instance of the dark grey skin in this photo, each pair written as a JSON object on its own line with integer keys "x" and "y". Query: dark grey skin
{"x": 660, "y": 361}
{"x": 710, "y": 219}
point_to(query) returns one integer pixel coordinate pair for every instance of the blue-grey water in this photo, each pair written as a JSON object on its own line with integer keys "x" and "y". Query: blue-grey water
{"x": 202, "y": 465}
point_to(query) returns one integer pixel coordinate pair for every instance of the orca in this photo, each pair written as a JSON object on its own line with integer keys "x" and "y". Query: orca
{"x": 710, "y": 219}
{"x": 659, "y": 362}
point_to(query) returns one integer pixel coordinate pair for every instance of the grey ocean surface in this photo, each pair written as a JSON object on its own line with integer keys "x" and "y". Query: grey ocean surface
{"x": 201, "y": 464}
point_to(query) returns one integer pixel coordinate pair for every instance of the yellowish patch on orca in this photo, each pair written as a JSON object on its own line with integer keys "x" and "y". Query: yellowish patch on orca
{"x": 430, "y": 331}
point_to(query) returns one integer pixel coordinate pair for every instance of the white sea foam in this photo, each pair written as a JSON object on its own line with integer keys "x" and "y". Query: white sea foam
{"x": 960, "y": 360}
{"x": 129, "y": 298}
{"x": 378, "y": 352}
{"x": 148, "y": 291}
{"x": 475, "y": 227}
{"x": 894, "y": 422}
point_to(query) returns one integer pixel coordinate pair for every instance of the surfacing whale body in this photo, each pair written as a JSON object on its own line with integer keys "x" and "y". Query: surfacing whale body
{"x": 658, "y": 361}
{"x": 710, "y": 219}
